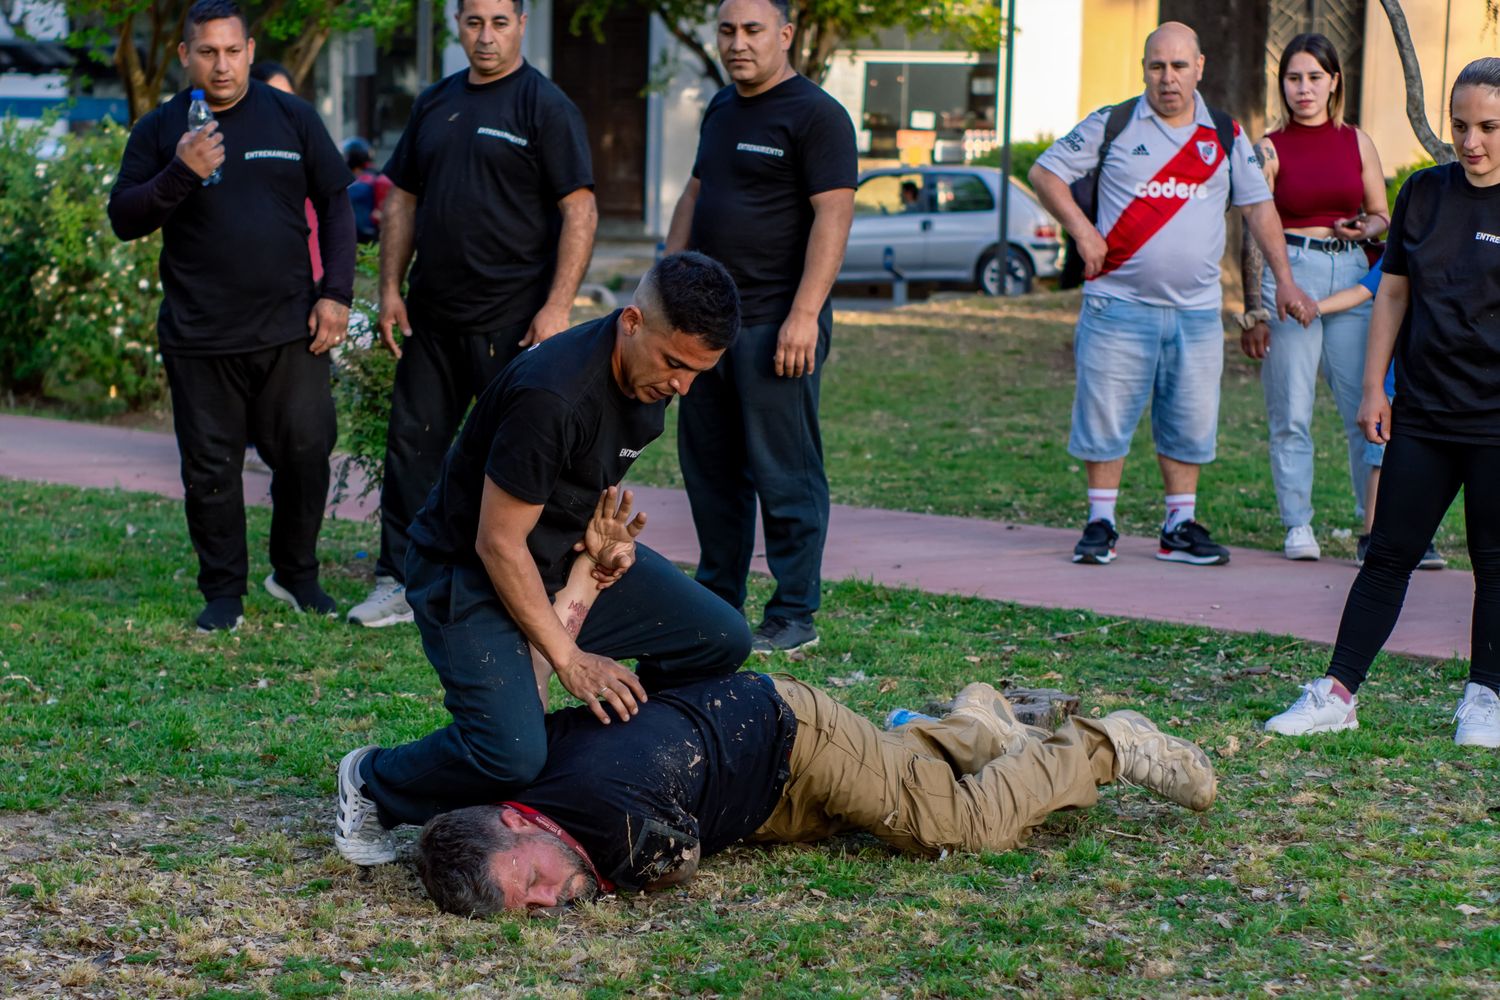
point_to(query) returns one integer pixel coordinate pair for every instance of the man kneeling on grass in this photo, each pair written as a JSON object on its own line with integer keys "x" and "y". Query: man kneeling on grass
{"x": 751, "y": 757}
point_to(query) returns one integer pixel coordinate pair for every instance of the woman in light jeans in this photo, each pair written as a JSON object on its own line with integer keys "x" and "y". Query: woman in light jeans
{"x": 1330, "y": 191}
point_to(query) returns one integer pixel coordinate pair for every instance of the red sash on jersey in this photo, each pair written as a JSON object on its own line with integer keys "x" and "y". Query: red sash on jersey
{"x": 549, "y": 824}
{"x": 1180, "y": 179}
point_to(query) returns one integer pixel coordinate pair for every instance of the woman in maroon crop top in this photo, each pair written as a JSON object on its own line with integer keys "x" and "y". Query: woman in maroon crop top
{"x": 1330, "y": 191}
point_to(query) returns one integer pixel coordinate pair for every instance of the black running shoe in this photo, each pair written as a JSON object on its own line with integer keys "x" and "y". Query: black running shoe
{"x": 306, "y": 596}
{"x": 1189, "y": 542}
{"x": 778, "y": 635}
{"x": 1432, "y": 558}
{"x": 1361, "y": 549}
{"x": 1097, "y": 546}
{"x": 222, "y": 614}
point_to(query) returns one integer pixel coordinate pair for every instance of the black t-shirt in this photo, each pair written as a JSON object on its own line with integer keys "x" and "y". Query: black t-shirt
{"x": 703, "y": 764}
{"x": 553, "y": 429}
{"x": 1445, "y": 238}
{"x": 235, "y": 270}
{"x": 488, "y": 164}
{"x": 759, "y": 161}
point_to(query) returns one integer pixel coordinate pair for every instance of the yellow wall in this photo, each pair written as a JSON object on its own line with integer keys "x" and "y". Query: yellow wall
{"x": 1383, "y": 90}
{"x": 1113, "y": 33}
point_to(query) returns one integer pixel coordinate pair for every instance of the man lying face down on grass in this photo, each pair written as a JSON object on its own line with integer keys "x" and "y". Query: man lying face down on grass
{"x": 752, "y": 757}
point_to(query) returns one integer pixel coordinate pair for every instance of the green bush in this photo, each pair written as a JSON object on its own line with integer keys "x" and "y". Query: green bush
{"x": 77, "y": 306}
{"x": 363, "y": 374}
{"x": 1393, "y": 186}
{"x": 1022, "y": 156}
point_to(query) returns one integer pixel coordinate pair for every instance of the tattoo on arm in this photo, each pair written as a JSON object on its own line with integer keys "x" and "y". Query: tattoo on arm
{"x": 1267, "y": 152}
{"x": 1252, "y": 263}
{"x": 573, "y": 616}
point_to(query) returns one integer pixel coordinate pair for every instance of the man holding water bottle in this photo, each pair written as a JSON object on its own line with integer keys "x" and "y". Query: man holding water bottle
{"x": 244, "y": 331}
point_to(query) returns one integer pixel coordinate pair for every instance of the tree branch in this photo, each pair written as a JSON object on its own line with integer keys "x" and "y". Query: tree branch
{"x": 690, "y": 41}
{"x": 1416, "y": 104}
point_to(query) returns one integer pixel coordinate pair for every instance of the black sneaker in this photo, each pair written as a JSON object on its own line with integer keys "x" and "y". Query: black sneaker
{"x": 1361, "y": 549}
{"x": 303, "y": 596}
{"x": 1189, "y": 542}
{"x": 778, "y": 635}
{"x": 1097, "y": 546}
{"x": 222, "y": 614}
{"x": 1432, "y": 558}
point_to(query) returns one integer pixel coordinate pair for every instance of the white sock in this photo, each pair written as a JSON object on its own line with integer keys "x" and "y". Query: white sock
{"x": 1102, "y": 504}
{"x": 1179, "y": 508}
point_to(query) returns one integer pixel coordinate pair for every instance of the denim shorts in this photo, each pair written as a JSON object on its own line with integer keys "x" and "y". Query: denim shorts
{"x": 1127, "y": 354}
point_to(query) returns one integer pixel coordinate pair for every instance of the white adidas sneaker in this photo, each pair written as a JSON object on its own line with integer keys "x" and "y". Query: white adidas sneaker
{"x": 1319, "y": 710}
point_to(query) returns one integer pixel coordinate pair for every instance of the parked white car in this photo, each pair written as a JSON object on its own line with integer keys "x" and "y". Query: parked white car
{"x": 940, "y": 223}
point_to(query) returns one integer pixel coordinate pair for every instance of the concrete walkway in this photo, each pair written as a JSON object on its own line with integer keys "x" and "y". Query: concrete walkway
{"x": 1257, "y": 591}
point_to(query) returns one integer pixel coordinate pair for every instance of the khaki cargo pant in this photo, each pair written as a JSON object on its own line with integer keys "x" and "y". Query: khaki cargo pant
{"x": 928, "y": 786}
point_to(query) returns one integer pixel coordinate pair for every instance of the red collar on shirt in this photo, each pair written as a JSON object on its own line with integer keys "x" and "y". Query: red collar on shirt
{"x": 545, "y": 822}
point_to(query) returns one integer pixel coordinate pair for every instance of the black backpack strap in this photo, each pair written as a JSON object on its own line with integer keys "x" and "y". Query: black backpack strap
{"x": 1224, "y": 126}
{"x": 1119, "y": 117}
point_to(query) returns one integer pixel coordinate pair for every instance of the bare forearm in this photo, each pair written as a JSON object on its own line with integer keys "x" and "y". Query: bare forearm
{"x": 1343, "y": 300}
{"x": 1265, "y": 226}
{"x": 1057, "y": 198}
{"x": 825, "y": 256}
{"x": 1252, "y": 263}
{"x": 575, "y": 245}
{"x": 397, "y": 237}
{"x": 1385, "y": 325}
{"x": 514, "y": 576}
{"x": 573, "y": 603}
{"x": 682, "y": 221}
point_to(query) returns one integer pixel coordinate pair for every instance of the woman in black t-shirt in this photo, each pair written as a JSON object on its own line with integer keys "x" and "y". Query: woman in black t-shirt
{"x": 1438, "y": 312}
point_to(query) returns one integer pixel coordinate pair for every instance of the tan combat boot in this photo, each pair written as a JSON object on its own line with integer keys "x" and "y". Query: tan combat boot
{"x": 1172, "y": 767}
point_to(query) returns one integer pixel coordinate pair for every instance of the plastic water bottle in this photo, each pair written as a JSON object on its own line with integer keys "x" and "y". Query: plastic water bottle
{"x": 198, "y": 117}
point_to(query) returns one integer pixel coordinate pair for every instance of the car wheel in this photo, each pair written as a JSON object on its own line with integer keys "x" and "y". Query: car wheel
{"x": 1018, "y": 273}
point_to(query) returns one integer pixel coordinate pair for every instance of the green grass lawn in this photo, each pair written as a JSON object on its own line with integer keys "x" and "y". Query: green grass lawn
{"x": 963, "y": 406}
{"x": 165, "y": 821}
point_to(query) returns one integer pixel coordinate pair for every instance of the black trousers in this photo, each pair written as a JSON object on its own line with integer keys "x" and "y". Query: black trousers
{"x": 744, "y": 434}
{"x": 676, "y": 631}
{"x": 440, "y": 373}
{"x": 1418, "y": 482}
{"x": 280, "y": 400}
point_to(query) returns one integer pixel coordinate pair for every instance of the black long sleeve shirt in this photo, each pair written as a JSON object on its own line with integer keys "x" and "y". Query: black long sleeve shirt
{"x": 236, "y": 275}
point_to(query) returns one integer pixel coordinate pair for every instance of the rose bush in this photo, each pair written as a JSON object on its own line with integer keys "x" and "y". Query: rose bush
{"x": 77, "y": 306}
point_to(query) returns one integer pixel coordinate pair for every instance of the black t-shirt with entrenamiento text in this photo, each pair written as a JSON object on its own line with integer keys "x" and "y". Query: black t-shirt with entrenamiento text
{"x": 235, "y": 270}
{"x": 553, "y": 429}
{"x": 488, "y": 163}
{"x": 1445, "y": 239}
{"x": 701, "y": 765}
{"x": 760, "y": 160}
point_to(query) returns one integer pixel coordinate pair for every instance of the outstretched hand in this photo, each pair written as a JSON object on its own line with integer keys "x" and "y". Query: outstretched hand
{"x": 609, "y": 537}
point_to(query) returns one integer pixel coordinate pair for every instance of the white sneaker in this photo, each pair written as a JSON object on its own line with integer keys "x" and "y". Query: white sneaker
{"x": 1478, "y": 718}
{"x": 1301, "y": 543}
{"x": 357, "y": 831}
{"x": 1319, "y": 710}
{"x": 386, "y": 605}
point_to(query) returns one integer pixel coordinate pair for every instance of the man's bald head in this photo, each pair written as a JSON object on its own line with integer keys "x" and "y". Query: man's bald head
{"x": 1173, "y": 65}
{"x": 1173, "y": 33}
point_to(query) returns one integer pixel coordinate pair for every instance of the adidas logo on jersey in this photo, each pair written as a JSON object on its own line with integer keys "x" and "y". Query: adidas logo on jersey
{"x": 1140, "y": 150}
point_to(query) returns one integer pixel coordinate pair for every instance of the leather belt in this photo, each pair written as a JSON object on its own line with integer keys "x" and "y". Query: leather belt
{"x": 1327, "y": 246}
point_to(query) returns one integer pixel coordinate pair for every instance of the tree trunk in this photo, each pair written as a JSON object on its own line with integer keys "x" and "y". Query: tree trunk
{"x": 1234, "y": 80}
{"x": 302, "y": 55}
{"x": 814, "y": 60}
{"x": 1416, "y": 104}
